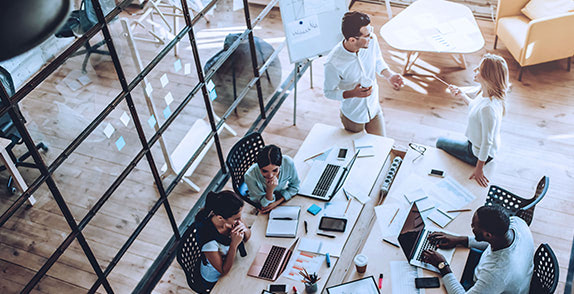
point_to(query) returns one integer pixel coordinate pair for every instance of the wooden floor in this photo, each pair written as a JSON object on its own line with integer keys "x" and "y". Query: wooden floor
{"x": 537, "y": 133}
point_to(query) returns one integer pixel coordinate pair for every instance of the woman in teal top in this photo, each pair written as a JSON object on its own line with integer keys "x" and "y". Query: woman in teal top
{"x": 273, "y": 179}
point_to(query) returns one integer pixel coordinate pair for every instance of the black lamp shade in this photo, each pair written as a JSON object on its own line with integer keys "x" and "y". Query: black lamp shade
{"x": 25, "y": 24}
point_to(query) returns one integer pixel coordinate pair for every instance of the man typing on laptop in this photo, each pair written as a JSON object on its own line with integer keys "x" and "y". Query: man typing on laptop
{"x": 506, "y": 264}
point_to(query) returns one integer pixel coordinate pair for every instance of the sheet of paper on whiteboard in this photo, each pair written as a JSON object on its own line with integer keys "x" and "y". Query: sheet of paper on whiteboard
{"x": 303, "y": 29}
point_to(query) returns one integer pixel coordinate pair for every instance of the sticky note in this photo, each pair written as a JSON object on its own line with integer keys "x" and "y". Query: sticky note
{"x": 109, "y": 130}
{"x": 187, "y": 69}
{"x": 151, "y": 121}
{"x": 148, "y": 89}
{"x": 125, "y": 118}
{"x": 177, "y": 65}
{"x": 212, "y": 95}
{"x": 120, "y": 143}
{"x": 314, "y": 209}
{"x": 166, "y": 112}
{"x": 164, "y": 81}
{"x": 168, "y": 98}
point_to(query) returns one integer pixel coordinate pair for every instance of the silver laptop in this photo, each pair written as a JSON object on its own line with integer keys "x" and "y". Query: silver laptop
{"x": 414, "y": 240}
{"x": 325, "y": 179}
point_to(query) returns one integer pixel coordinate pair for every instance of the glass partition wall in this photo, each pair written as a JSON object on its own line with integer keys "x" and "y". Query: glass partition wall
{"x": 136, "y": 136}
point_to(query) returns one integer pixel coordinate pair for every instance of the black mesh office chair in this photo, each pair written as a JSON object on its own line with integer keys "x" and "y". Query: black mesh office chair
{"x": 189, "y": 257}
{"x": 546, "y": 271}
{"x": 240, "y": 158}
{"x": 9, "y": 131}
{"x": 518, "y": 206}
{"x": 79, "y": 22}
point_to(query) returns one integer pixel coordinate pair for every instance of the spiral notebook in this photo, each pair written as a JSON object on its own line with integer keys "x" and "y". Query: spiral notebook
{"x": 283, "y": 222}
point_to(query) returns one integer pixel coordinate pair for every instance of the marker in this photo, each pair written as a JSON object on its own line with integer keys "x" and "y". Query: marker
{"x": 328, "y": 259}
{"x": 346, "y": 195}
{"x": 305, "y": 223}
{"x": 294, "y": 290}
{"x": 325, "y": 235}
{"x": 380, "y": 281}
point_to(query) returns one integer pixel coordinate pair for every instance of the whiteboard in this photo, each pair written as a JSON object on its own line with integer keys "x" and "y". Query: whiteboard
{"x": 312, "y": 27}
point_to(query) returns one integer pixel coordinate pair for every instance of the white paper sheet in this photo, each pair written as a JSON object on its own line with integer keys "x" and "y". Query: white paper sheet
{"x": 403, "y": 278}
{"x": 315, "y": 245}
{"x": 304, "y": 29}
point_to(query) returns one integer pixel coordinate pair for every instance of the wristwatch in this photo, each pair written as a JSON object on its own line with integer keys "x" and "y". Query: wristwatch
{"x": 442, "y": 265}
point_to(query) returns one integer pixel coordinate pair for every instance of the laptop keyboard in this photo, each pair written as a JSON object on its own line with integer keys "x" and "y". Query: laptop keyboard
{"x": 272, "y": 262}
{"x": 427, "y": 245}
{"x": 325, "y": 180}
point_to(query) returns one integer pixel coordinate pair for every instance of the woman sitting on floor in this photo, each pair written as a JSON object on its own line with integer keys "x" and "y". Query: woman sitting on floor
{"x": 484, "y": 117}
{"x": 273, "y": 179}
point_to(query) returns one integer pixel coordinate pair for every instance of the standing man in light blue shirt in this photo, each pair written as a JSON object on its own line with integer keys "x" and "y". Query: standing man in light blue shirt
{"x": 351, "y": 73}
{"x": 273, "y": 179}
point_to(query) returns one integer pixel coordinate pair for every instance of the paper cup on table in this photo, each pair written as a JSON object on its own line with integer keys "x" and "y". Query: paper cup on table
{"x": 361, "y": 261}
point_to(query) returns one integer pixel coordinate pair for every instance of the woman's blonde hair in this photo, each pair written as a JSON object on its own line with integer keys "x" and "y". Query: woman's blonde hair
{"x": 494, "y": 71}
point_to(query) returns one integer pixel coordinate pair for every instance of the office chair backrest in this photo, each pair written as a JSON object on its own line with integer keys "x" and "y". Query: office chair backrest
{"x": 7, "y": 128}
{"x": 546, "y": 271}
{"x": 516, "y": 205}
{"x": 7, "y": 82}
{"x": 242, "y": 156}
{"x": 189, "y": 257}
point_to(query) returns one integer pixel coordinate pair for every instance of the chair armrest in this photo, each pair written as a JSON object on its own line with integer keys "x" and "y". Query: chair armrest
{"x": 548, "y": 39}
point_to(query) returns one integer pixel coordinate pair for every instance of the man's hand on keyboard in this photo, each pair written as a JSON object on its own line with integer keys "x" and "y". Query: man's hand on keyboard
{"x": 432, "y": 257}
{"x": 446, "y": 241}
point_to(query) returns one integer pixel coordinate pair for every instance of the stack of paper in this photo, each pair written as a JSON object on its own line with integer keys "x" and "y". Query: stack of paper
{"x": 283, "y": 222}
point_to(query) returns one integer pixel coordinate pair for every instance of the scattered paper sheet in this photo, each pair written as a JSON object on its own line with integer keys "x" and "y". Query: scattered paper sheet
{"x": 396, "y": 212}
{"x": 300, "y": 260}
{"x": 187, "y": 69}
{"x": 316, "y": 245}
{"x": 148, "y": 89}
{"x": 403, "y": 277}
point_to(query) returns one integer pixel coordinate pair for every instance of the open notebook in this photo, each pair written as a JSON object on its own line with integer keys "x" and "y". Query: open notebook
{"x": 283, "y": 222}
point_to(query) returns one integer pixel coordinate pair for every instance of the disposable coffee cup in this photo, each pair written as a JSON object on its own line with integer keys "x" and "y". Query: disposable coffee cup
{"x": 366, "y": 82}
{"x": 361, "y": 261}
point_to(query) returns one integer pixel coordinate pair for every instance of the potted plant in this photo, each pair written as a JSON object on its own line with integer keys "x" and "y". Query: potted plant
{"x": 310, "y": 281}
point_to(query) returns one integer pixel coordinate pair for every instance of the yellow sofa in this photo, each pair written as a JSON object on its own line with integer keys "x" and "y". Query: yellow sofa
{"x": 534, "y": 41}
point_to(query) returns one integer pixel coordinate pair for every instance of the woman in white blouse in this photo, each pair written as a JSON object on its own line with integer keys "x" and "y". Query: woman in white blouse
{"x": 484, "y": 117}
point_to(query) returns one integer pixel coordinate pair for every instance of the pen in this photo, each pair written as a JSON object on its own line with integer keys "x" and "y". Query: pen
{"x": 393, "y": 218}
{"x": 325, "y": 235}
{"x": 392, "y": 243}
{"x": 294, "y": 290}
{"x": 345, "y": 192}
{"x": 459, "y": 210}
{"x": 305, "y": 223}
{"x": 316, "y": 155}
{"x": 328, "y": 259}
{"x": 380, "y": 281}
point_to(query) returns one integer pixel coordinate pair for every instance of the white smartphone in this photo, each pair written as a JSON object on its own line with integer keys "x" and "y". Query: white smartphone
{"x": 342, "y": 153}
{"x": 436, "y": 173}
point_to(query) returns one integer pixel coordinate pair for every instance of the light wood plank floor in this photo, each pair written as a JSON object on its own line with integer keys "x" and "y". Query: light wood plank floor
{"x": 537, "y": 135}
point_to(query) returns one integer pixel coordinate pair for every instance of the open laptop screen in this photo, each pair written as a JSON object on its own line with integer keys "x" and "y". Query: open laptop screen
{"x": 411, "y": 231}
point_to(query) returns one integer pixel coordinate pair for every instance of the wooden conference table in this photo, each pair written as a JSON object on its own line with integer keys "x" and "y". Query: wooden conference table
{"x": 365, "y": 171}
{"x": 381, "y": 254}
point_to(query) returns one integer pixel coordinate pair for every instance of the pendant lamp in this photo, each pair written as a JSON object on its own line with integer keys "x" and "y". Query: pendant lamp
{"x": 25, "y": 24}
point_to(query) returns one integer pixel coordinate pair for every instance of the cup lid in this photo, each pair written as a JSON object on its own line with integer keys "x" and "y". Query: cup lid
{"x": 361, "y": 260}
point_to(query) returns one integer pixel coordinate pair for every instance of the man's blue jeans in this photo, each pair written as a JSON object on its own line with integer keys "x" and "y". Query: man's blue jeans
{"x": 459, "y": 149}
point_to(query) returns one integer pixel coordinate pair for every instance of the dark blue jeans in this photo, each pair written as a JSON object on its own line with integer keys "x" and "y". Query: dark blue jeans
{"x": 459, "y": 149}
{"x": 467, "y": 279}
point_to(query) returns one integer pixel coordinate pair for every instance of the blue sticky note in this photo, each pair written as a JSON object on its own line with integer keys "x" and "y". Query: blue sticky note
{"x": 177, "y": 65}
{"x": 213, "y": 95}
{"x": 166, "y": 112}
{"x": 151, "y": 121}
{"x": 120, "y": 143}
{"x": 314, "y": 209}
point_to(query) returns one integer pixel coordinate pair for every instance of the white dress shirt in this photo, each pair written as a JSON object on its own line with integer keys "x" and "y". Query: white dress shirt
{"x": 345, "y": 69}
{"x": 483, "y": 129}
